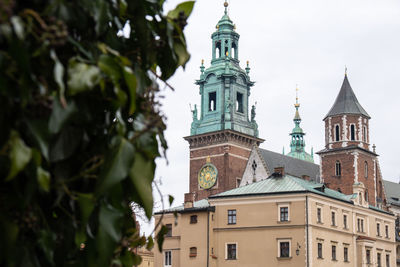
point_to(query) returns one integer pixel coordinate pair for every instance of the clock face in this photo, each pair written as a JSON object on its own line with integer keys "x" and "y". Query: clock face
{"x": 208, "y": 176}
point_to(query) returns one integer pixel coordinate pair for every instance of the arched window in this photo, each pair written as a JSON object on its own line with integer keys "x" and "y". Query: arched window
{"x": 365, "y": 170}
{"x": 337, "y": 133}
{"x": 352, "y": 132}
{"x": 218, "y": 49}
{"x": 366, "y": 195}
{"x": 234, "y": 50}
{"x": 338, "y": 169}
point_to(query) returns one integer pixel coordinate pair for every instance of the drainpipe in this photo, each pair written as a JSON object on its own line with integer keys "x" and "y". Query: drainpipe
{"x": 208, "y": 237}
{"x": 308, "y": 260}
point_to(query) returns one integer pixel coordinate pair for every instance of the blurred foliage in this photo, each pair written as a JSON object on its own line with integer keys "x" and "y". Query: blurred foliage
{"x": 81, "y": 125}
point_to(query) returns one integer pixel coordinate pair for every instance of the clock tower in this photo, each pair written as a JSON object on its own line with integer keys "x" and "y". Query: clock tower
{"x": 222, "y": 135}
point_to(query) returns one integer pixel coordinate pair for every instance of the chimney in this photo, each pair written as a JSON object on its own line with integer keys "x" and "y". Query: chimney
{"x": 189, "y": 199}
{"x": 305, "y": 177}
{"x": 279, "y": 171}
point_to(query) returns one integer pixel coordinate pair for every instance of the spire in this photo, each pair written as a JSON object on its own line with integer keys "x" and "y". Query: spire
{"x": 297, "y": 143}
{"x": 226, "y": 7}
{"x": 346, "y": 102}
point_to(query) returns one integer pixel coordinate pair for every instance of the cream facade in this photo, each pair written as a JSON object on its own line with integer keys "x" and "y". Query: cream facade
{"x": 279, "y": 229}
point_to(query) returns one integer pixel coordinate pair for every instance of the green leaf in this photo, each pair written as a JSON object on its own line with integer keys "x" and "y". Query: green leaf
{"x": 182, "y": 53}
{"x": 161, "y": 236}
{"x": 86, "y": 205}
{"x": 101, "y": 16}
{"x": 110, "y": 67}
{"x": 46, "y": 242}
{"x": 110, "y": 221}
{"x": 60, "y": 115}
{"x": 58, "y": 73}
{"x": 20, "y": 155}
{"x": 185, "y": 7}
{"x": 82, "y": 77}
{"x": 66, "y": 144}
{"x": 171, "y": 199}
{"x": 41, "y": 134}
{"x": 43, "y": 178}
{"x": 130, "y": 80}
{"x": 117, "y": 164}
{"x": 142, "y": 175}
{"x": 150, "y": 243}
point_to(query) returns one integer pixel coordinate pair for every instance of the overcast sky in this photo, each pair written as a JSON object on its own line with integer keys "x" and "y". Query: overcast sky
{"x": 304, "y": 42}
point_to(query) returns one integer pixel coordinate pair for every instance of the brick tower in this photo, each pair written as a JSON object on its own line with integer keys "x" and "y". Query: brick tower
{"x": 222, "y": 138}
{"x": 347, "y": 159}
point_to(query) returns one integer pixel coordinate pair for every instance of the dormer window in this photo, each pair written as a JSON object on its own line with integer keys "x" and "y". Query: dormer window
{"x": 352, "y": 132}
{"x": 212, "y": 101}
{"x": 337, "y": 133}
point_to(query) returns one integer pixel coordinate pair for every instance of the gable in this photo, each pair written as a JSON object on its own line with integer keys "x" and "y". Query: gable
{"x": 260, "y": 172}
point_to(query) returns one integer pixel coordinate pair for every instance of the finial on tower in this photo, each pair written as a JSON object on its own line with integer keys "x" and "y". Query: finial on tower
{"x": 202, "y": 66}
{"x": 297, "y": 105}
{"x": 247, "y": 68}
{"x": 345, "y": 70}
{"x": 226, "y": 7}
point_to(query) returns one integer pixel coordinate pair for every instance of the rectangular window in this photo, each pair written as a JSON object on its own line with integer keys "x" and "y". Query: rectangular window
{"x": 212, "y": 101}
{"x": 319, "y": 215}
{"x": 387, "y": 260}
{"x": 378, "y": 259}
{"x": 231, "y": 251}
{"x": 368, "y": 256}
{"x": 231, "y": 216}
{"x": 284, "y": 214}
{"x": 167, "y": 258}
{"x": 346, "y": 254}
{"x": 193, "y": 219}
{"x": 320, "y": 250}
{"x": 169, "y": 228}
{"x": 345, "y": 221}
{"x": 387, "y": 231}
{"x": 333, "y": 215}
{"x": 378, "y": 229}
{"x": 284, "y": 249}
{"x": 193, "y": 252}
{"x": 352, "y": 132}
{"x": 334, "y": 253}
{"x": 239, "y": 102}
{"x": 360, "y": 225}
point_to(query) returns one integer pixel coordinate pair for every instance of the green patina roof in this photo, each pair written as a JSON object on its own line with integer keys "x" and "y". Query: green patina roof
{"x": 285, "y": 184}
{"x": 201, "y": 204}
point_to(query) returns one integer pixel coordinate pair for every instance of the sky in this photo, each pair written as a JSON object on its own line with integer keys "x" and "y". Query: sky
{"x": 303, "y": 42}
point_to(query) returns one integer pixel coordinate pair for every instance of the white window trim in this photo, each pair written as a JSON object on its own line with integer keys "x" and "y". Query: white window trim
{"x": 283, "y": 205}
{"x": 226, "y": 250}
{"x": 280, "y": 240}
{"x": 165, "y": 252}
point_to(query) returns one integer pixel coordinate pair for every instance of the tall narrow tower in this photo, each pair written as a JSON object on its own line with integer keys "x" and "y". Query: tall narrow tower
{"x": 347, "y": 159}
{"x": 222, "y": 137}
{"x": 297, "y": 143}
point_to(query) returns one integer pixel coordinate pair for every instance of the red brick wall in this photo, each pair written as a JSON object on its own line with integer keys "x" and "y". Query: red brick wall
{"x": 346, "y": 180}
{"x": 229, "y": 168}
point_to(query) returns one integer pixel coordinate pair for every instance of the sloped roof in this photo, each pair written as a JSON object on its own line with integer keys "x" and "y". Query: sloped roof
{"x": 346, "y": 102}
{"x": 392, "y": 191}
{"x": 201, "y": 204}
{"x": 285, "y": 184}
{"x": 293, "y": 166}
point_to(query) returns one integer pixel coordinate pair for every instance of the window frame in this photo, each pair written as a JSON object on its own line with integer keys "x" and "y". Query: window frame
{"x": 280, "y": 207}
{"x": 319, "y": 215}
{"x": 333, "y": 252}
{"x": 378, "y": 259}
{"x": 337, "y": 132}
{"x": 387, "y": 260}
{"x": 193, "y": 219}
{"x": 320, "y": 254}
{"x": 386, "y": 231}
{"x": 338, "y": 168}
{"x": 168, "y": 260}
{"x": 378, "y": 229}
{"x": 212, "y": 108}
{"x": 345, "y": 254}
{"x": 345, "y": 221}
{"x": 169, "y": 228}
{"x": 232, "y": 219}
{"x": 333, "y": 218}
{"x": 368, "y": 255}
{"x": 227, "y": 245}
{"x": 239, "y": 107}
{"x": 193, "y": 252}
{"x": 352, "y": 132}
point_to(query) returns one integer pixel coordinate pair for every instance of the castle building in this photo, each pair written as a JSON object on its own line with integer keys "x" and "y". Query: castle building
{"x": 222, "y": 137}
{"x": 249, "y": 206}
{"x": 347, "y": 158}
